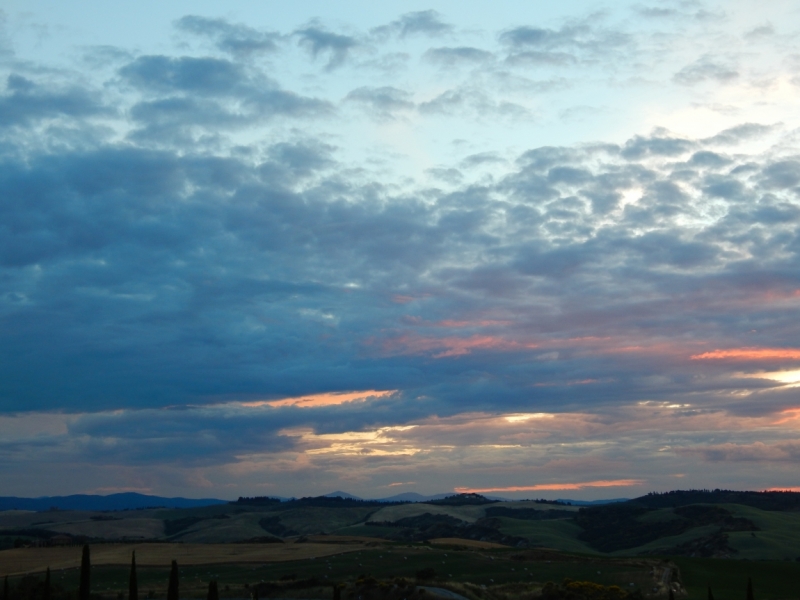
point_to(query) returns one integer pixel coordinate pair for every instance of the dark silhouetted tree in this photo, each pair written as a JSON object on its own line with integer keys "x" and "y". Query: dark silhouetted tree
{"x": 255, "y": 592}
{"x": 710, "y": 594}
{"x": 671, "y": 594}
{"x": 750, "y": 589}
{"x": 86, "y": 566}
{"x": 133, "y": 583}
{"x": 172, "y": 590}
{"x": 337, "y": 592}
{"x": 213, "y": 592}
{"x": 46, "y": 592}
{"x": 5, "y": 588}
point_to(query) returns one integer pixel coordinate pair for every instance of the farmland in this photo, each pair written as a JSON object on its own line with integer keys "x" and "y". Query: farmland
{"x": 296, "y": 549}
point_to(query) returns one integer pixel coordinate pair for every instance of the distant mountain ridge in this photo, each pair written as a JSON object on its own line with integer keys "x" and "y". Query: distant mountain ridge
{"x": 121, "y": 501}
{"x": 592, "y": 502}
{"x": 133, "y": 501}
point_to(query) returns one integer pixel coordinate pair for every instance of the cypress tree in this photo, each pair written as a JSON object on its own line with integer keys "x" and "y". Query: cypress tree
{"x": 133, "y": 583}
{"x": 5, "y": 589}
{"x": 172, "y": 590}
{"x": 671, "y": 594}
{"x": 710, "y": 594}
{"x": 749, "y": 589}
{"x": 46, "y": 594}
{"x": 255, "y": 592}
{"x": 85, "y": 585}
{"x": 337, "y": 592}
{"x": 213, "y": 592}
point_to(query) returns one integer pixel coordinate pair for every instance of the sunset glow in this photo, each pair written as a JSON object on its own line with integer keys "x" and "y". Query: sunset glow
{"x": 554, "y": 486}
{"x": 518, "y": 249}
{"x": 330, "y": 399}
{"x": 750, "y": 354}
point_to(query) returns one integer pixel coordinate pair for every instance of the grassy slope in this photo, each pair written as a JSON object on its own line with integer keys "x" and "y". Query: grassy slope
{"x": 470, "y": 514}
{"x": 113, "y": 530}
{"x": 557, "y": 533}
{"x": 308, "y": 520}
{"x": 779, "y": 538}
{"x": 211, "y": 531}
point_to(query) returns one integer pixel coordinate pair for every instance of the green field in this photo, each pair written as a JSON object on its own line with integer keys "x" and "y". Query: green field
{"x": 557, "y": 534}
{"x": 491, "y": 568}
{"x": 773, "y": 580}
{"x": 728, "y": 578}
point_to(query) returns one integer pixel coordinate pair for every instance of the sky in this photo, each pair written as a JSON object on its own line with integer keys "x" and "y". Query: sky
{"x": 529, "y": 249}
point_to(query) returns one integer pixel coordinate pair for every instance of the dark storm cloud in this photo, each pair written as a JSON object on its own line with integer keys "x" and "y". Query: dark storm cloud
{"x": 320, "y": 41}
{"x": 237, "y": 39}
{"x": 425, "y": 22}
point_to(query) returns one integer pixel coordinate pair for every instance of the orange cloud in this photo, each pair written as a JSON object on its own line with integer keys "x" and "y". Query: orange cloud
{"x": 554, "y": 486}
{"x": 750, "y": 354}
{"x": 327, "y": 399}
{"x": 792, "y": 414}
{"x": 783, "y": 489}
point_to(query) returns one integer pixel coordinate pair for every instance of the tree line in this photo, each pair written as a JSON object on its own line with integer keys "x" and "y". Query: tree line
{"x": 84, "y": 592}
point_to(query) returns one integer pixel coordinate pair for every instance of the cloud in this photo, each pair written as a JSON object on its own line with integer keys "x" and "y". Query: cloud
{"x": 201, "y": 258}
{"x": 755, "y": 452}
{"x": 424, "y": 22}
{"x": 655, "y": 12}
{"x": 206, "y": 76}
{"x": 25, "y": 102}
{"x": 540, "y": 487}
{"x": 705, "y": 69}
{"x": 470, "y": 100}
{"x": 541, "y": 58}
{"x": 320, "y": 41}
{"x": 564, "y": 46}
{"x": 782, "y": 174}
{"x": 458, "y": 55}
{"x": 750, "y": 354}
{"x": 383, "y": 101}
{"x": 237, "y": 39}
{"x": 740, "y": 133}
{"x": 762, "y": 31}
{"x": 640, "y": 147}
{"x": 186, "y": 92}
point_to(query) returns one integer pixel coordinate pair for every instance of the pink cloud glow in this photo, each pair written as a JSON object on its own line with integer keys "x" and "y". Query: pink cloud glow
{"x": 554, "y": 486}
{"x": 450, "y": 346}
{"x": 481, "y": 323}
{"x": 790, "y": 414}
{"x": 750, "y": 354}
{"x": 326, "y": 399}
